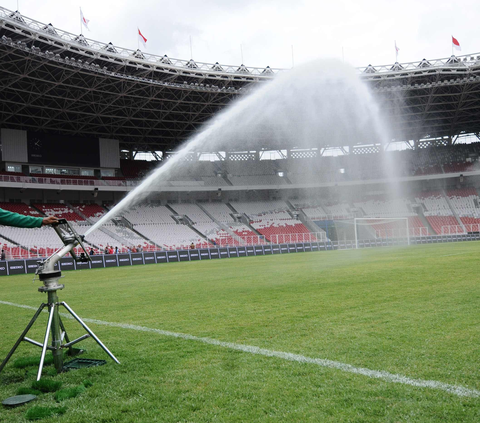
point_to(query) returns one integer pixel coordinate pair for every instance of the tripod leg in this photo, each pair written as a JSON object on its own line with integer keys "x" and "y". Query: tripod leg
{"x": 45, "y": 342}
{"x": 90, "y": 332}
{"x": 71, "y": 351}
{"x": 63, "y": 329}
{"x": 4, "y": 362}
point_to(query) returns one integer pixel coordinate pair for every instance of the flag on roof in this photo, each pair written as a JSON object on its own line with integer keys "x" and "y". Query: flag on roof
{"x": 455, "y": 44}
{"x": 142, "y": 39}
{"x": 84, "y": 20}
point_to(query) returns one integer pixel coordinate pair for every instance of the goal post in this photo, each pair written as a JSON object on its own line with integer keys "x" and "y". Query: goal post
{"x": 381, "y": 227}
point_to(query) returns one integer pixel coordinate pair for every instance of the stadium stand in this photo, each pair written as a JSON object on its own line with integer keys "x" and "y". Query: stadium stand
{"x": 92, "y": 212}
{"x": 213, "y": 223}
{"x": 466, "y": 204}
{"x": 338, "y": 211}
{"x": 271, "y": 219}
{"x": 223, "y": 214}
{"x": 172, "y": 236}
{"x": 155, "y": 222}
{"x": 204, "y": 224}
{"x": 313, "y": 212}
{"x": 21, "y": 208}
{"x": 437, "y": 211}
{"x": 380, "y": 206}
{"x": 149, "y": 213}
{"x": 59, "y": 210}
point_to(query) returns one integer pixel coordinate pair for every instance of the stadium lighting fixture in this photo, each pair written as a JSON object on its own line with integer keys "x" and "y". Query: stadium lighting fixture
{"x": 50, "y": 276}
{"x": 281, "y": 173}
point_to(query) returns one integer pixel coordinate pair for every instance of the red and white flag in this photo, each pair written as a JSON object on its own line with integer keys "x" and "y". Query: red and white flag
{"x": 455, "y": 44}
{"x": 142, "y": 39}
{"x": 84, "y": 20}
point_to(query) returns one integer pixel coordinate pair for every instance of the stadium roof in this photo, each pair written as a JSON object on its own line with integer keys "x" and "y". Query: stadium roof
{"x": 56, "y": 81}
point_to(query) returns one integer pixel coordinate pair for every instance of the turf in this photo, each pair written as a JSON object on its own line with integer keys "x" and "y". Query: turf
{"x": 39, "y": 413}
{"x": 409, "y": 311}
{"x": 47, "y": 385}
{"x": 23, "y": 362}
{"x": 67, "y": 393}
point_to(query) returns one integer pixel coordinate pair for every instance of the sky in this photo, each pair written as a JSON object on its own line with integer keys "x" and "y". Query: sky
{"x": 262, "y": 32}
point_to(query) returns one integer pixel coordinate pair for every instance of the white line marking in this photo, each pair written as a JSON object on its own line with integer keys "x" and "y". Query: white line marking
{"x": 461, "y": 391}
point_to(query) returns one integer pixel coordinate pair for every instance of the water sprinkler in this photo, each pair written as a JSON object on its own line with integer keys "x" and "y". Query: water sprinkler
{"x": 50, "y": 278}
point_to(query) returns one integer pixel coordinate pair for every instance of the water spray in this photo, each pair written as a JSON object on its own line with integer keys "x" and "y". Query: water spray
{"x": 50, "y": 278}
{"x": 317, "y": 104}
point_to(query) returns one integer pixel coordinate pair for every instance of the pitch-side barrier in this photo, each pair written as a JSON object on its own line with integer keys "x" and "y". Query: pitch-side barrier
{"x": 18, "y": 267}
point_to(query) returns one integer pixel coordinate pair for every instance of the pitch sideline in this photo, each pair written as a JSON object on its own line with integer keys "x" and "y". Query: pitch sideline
{"x": 460, "y": 391}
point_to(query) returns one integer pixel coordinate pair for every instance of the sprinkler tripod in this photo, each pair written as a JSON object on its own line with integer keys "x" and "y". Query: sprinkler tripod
{"x": 50, "y": 277}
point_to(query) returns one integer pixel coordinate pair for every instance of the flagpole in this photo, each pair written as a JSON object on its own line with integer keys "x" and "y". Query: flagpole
{"x": 241, "y": 53}
{"x": 191, "y": 49}
{"x": 81, "y": 26}
{"x": 293, "y": 59}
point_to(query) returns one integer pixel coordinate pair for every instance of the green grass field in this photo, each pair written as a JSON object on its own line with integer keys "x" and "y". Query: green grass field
{"x": 413, "y": 312}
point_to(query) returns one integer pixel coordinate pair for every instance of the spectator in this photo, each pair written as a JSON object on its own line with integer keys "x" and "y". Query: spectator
{"x": 192, "y": 246}
{"x": 91, "y": 252}
{"x": 3, "y": 255}
{"x": 116, "y": 250}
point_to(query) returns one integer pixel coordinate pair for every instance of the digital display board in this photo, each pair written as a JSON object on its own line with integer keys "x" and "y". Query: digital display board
{"x": 66, "y": 150}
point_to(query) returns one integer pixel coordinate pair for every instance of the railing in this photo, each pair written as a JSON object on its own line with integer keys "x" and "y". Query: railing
{"x": 87, "y": 46}
{"x": 52, "y": 180}
{"x": 56, "y": 182}
{"x": 457, "y": 229}
{"x": 35, "y": 251}
{"x": 47, "y": 180}
{"x": 400, "y": 232}
{"x": 31, "y": 252}
{"x": 301, "y": 237}
{"x": 76, "y": 181}
{"x": 270, "y": 239}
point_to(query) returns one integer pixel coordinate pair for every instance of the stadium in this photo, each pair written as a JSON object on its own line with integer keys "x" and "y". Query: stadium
{"x": 84, "y": 122}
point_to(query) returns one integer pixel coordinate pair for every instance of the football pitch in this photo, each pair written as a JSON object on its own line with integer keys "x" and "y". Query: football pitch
{"x": 374, "y": 335}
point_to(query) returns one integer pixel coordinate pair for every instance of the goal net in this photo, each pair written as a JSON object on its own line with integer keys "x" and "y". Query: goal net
{"x": 386, "y": 228}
